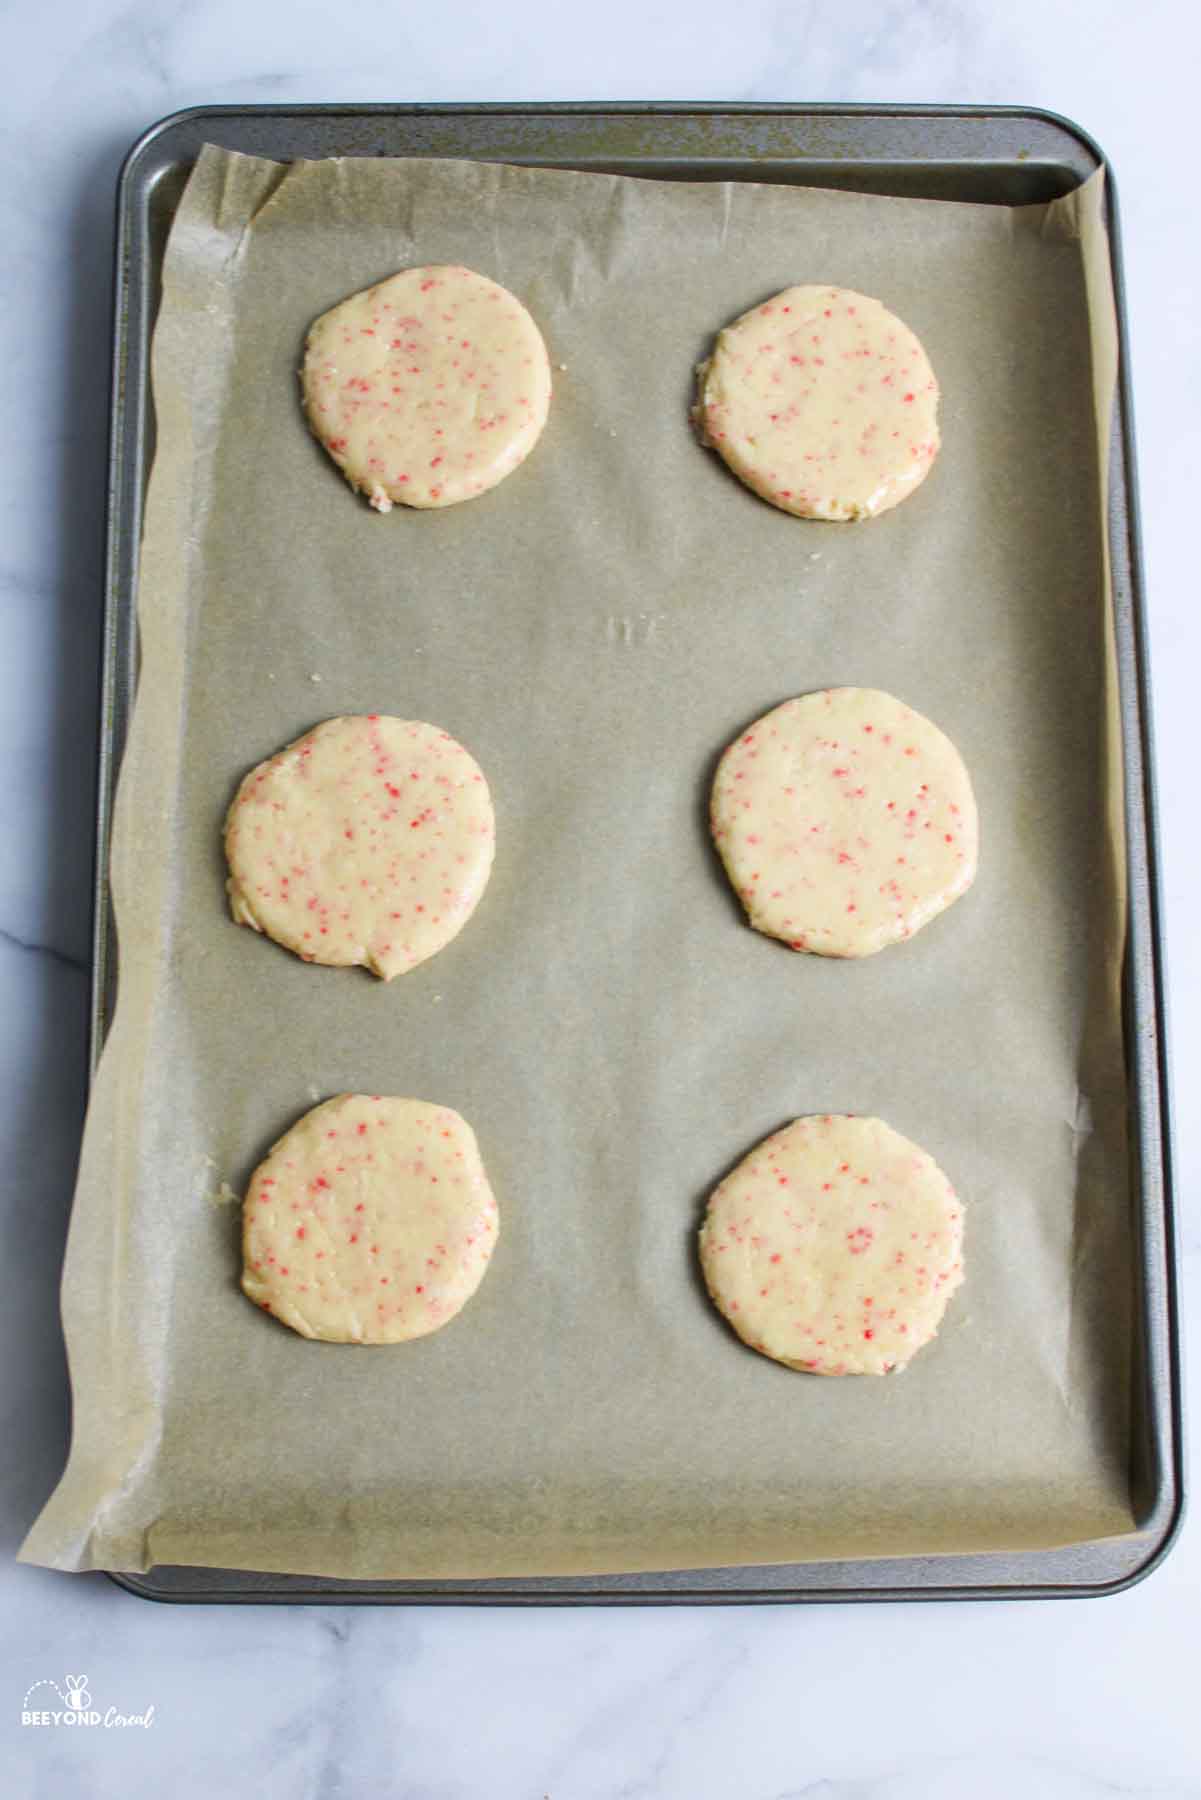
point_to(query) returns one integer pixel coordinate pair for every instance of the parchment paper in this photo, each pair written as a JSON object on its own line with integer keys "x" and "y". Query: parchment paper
{"x": 595, "y": 630}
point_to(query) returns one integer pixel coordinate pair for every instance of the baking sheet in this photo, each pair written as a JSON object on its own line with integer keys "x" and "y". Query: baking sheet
{"x": 618, "y": 1037}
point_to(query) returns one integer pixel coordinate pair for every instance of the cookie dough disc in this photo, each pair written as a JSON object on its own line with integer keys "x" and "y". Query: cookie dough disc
{"x": 427, "y": 389}
{"x": 367, "y": 841}
{"x": 834, "y": 1247}
{"x": 846, "y": 822}
{"x": 370, "y": 1222}
{"x": 823, "y": 402}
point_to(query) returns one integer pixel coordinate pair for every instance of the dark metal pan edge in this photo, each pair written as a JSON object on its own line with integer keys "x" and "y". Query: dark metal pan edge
{"x": 1147, "y": 919}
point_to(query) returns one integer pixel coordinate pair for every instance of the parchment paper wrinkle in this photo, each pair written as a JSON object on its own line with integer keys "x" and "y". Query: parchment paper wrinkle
{"x": 595, "y": 630}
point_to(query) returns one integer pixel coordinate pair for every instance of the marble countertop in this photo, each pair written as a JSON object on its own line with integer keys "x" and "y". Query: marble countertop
{"x": 1054, "y": 1701}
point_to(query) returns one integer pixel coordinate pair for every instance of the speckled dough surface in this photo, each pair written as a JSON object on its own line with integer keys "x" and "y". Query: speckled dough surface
{"x": 845, "y": 820}
{"x": 368, "y": 841}
{"x": 427, "y": 389}
{"x": 823, "y": 402}
{"x": 834, "y": 1247}
{"x": 370, "y": 1222}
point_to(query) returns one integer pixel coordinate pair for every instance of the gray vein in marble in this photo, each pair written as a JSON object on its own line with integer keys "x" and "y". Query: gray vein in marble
{"x": 63, "y": 957}
{"x": 687, "y": 1690}
{"x": 344, "y": 1761}
{"x": 949, "y": 1778}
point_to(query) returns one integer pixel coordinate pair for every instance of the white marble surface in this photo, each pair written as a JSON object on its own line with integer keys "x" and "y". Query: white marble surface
{"x": 1069, "y": 1701}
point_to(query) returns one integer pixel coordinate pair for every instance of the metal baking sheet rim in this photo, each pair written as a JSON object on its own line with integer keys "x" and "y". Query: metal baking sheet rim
{"x": 872, "y": 144}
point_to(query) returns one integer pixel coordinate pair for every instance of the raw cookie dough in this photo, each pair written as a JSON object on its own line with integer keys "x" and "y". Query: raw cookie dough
{"x": 822, "y": 402}
{"x": 368, "y": 841}
{"x": 834, "y": 1247}
{"x": 370, "y": 1222}
{"x": 427, "y": 389}
{"x": 846, "y": 822}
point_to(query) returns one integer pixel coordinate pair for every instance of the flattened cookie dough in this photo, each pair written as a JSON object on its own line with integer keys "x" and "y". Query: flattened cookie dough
{"x": 834, "y": 1247}
{"x": 427, "y": 389}
{"x": 823, "y": 402}
{"x": 367, "y": 842}
{"x": 845, "y": 821}
{"x": 370, "y": 1222}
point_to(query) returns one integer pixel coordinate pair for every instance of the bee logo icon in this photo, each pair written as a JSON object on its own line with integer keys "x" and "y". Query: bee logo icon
{"x": 78, "y": 1697}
